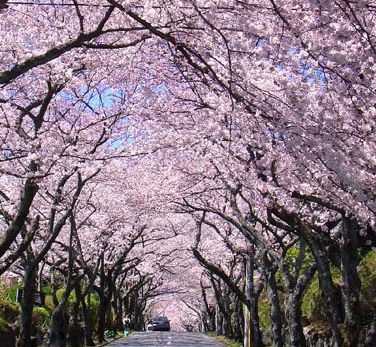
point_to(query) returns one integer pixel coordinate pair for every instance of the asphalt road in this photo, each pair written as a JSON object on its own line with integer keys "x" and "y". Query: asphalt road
{"x": 168, "y": 339}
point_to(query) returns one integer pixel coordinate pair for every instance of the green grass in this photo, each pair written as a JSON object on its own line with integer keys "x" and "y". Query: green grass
{"x": 228, "y": 342}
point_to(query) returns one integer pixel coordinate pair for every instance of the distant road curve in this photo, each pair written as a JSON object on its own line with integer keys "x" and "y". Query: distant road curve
{"x": 166, "y": 339}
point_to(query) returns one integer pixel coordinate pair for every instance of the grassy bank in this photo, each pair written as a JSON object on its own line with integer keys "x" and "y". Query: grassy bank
{"x": 228, "y": 342}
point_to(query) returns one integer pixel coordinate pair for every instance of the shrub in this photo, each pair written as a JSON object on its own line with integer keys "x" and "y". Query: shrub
{"x": 94, "y": 304}
{"x": 46, "y": 288}
{"x": 367, "y": 275}
{"x": 48, "y": 303}
{"x": 3, "y": 325}
{"x": 72, "y": 296}
{"x": 11, "y": 291}
{"x": 8, "y": 309}
{"x": 41, "y": 318}
{"x": 313, "y": 304}
{"x": 264, "y": 312}
{"x": 225, "y": 340}
{"x": 313, "y": 307}
{"x": 367, "y": 269}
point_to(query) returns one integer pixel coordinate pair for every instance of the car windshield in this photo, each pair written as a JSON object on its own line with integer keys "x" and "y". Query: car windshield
{"x": 160, "y": 319}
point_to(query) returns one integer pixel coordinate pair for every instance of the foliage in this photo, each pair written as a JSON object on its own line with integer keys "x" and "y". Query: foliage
{"x": 293, "y": 253}
{"x": 72, "y": 296}
{"x": 11, "y": 290}
{"x": 312, "y": 303}
{"x": 313, "y": 307}
{"x": 110, "y": 333}
{"x": 367, "y": 275}
{"x": 228, "y": 342}
{"x": 48, "y": 302}
{"x": 367, "y": 269}
{"x": 93, "y": 311}
{"x": 46, "y": 288}
{"x": 3, "y": 325}
{"x": 8, "y": 309}
{"x": 41, "y": 318}
{"x": 264, "y": 312}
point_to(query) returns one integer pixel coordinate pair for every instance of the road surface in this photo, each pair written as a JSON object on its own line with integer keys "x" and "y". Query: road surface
{"x": 166, "y": 339}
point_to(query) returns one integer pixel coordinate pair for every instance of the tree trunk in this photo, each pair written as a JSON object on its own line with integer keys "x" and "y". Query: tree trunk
{"x": 275, "y": 309}
{"x": 119, "y": 314}
{"x": 212, "y": 319}
{"x": 227, "y": 328}
{"x": 60, "y": 319}
{"x": 27, "y": 305}
{"x": 295, "y": 336}
{"x": 57, "y": 327}
{"x": 102, "y": 312}
{"x": 218, "y": 321}
{"x": 238, "y": 321}
{"x": 89, "y": 326}
{"x": 110, "y": 323}
{"x": 294, "y": 286}
{"x": 350, "y": 283}
{"x": 75, "y": 336}
{"x": 251, "y": 318}
{"x": 330, "y": 294}
{"x": 370, "y": 340}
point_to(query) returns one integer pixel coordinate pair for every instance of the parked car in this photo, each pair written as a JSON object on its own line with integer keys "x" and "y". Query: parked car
{"x": 161, "y": 323}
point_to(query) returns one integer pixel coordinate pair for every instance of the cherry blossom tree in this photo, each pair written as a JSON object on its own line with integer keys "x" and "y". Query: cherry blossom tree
{"x": 253, "y": 116}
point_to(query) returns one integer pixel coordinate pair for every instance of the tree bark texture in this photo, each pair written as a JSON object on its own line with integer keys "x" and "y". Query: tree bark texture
{"x": 275, "y": 309}
{"x": 27, "y": 305}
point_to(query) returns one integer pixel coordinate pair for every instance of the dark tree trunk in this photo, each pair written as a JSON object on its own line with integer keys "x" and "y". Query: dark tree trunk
{"x": 295, "y": 336}
{"x": 57, "y": 328}
{"x": 119, "y": 312}
{"x": 103, "y": 303}
{"x": 75, "y": 335}
{"x": 316, "y": 244}
{"x": 275, "y": 309}
{"x": 227, "y": 312}
{"x": 60, "y": 319}
{"x": 27, "y": 305}
{"x": 252, "y": 296}
{"x": 210, "y": 311}
{"x": 238, "y": 321}
{"x": 257, "y": 339}
{"x": 218, "y": 321}
{"x": 89, "y": 326}
{"x": 227, "y": 329}
{"x": 350, "y": 283}
{"x": 212, "y": 319}
{"x": 205, "y": 324}
{"x": 330, "y": 293}
{"x": 102, "y": 312}
{"x": 110, "y": 323}
{"x": 10, "y": 234}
